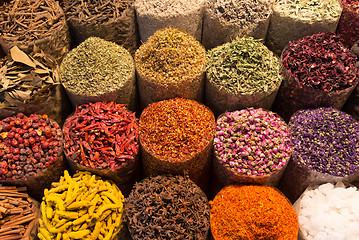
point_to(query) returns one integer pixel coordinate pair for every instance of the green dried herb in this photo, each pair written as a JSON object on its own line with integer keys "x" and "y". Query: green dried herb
{"x": 243, "y": 66}
{"x": 310, "y": 9}
{"x": 170, "y": 55}
{"x": 95, "y": 67}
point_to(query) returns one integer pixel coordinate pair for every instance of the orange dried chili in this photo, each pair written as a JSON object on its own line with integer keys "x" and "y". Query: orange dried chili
{"x": 176, "y": 129}
{"x": 252, "y": 212}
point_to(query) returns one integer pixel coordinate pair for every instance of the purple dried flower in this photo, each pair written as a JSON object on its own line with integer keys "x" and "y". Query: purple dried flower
{"x": 326, "y": 140}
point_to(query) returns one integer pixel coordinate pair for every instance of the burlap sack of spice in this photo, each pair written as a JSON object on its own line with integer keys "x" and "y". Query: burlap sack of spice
{"x": 285, "y": 26}
{"x": 111, "y": 20}
{"x": 153, "y": 15}
{"x": 99, "y": 70}
{"x": 37, "y": 183}
{"x": 292, "y": 97}
{"x": 29, "y": 23}
{"x": 30, "y": 84}
{"x": 224, "y": 20}
{"x": 170, "y": 64}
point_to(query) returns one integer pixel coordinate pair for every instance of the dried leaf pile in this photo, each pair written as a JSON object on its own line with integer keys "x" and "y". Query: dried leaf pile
{"x": 166, "y": 7}
{"x": 167, "y": 207}
{"x": 27, "y": 79}
{"x": 26, "y": 23}
{"x": 18, "y": 214}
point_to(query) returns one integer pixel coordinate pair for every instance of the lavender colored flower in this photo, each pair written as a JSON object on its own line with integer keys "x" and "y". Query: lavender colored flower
{"x": 326, "y": 140}
{"x": 252, "y": 141}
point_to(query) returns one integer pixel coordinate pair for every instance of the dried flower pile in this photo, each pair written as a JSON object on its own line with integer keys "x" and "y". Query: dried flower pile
{"x": 81, "y": 207}
{"x": 252, "y": 212}
{"x": 252, "y": 142}
{"x": 325, "y": 79}
{"x": 326, "y": 140}
{"x": 167, "y": 207}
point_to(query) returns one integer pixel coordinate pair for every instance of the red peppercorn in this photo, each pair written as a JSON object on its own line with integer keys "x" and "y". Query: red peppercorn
{"x": 32, "y": 140}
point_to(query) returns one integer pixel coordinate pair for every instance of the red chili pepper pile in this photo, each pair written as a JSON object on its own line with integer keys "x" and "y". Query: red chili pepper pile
{"x": 27, "y": 145}
{"x": 101, "y": 135}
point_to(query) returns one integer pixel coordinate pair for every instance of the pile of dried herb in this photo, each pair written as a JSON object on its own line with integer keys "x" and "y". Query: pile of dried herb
{"x": 111, "y": 20}
{"x": 171, "y": 63}
{"x": 167, "y": 207}
{"x": 294, "y": 19}
{"x": 18, "y": 214}
{"x": 242, "y": 69}
{"x": 30, "y": 83}
{"x": 318, "y": 72}
{"x": 96, "y": 68}
{"x": 185, "y": 15}
{"x": 226, "y": 19}
{"x": 252, "y": 212}
{"x": 29, "y": 23}
{"x": 348, "y": 26}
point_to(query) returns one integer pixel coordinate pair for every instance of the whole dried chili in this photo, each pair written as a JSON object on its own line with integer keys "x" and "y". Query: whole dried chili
{"x": 176, "y": 129}
{"x": 348, "y": 26}
{"x": 101, "y": 135}
{"x": 252, "y": 212}
{"x": 28, "y": 145}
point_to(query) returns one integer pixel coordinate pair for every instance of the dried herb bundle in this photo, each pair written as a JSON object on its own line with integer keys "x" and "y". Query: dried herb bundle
{"x": 111, "y": 20}
{"x": 241, "y": 12}
{"x": 309, "y": 9}
{"x": 167, "y": 207}
{"x": 171, "y": 63}
{"x": 98, "y": 67}
{"x": 18, "y": 214}
{"x": 29, "y": 83}
{"x": 27, "y": 23}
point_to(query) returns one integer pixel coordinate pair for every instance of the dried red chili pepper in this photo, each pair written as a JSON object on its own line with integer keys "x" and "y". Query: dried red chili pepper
{"x": 101, "y": 135}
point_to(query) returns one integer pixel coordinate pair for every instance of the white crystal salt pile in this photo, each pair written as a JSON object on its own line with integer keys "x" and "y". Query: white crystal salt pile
{"x": 329, "y": 212}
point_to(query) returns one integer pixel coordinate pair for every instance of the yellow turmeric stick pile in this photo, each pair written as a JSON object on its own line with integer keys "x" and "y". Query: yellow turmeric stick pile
{"x": 81, "y": 207}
